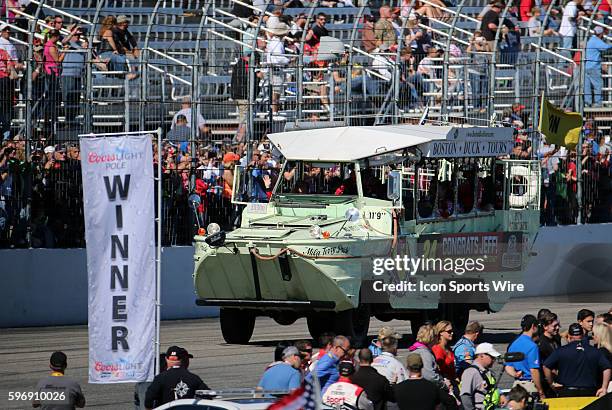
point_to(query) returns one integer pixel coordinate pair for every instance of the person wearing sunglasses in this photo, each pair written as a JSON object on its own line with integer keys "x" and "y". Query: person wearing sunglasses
{"x": 327, "y": 366}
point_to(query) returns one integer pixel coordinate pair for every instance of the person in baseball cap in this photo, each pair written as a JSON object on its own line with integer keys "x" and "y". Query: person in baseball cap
{"x": 384, "y": 333}
{"x": 283, "y": 375}
{"x": 176, "y": 353}
{"x": 174, "y": 383}
{"x": 582, "y": 370}
{"x": 478, "y": 388}
{"x": 58, "y": 361}
{"x": 487, "y": 348}
{"x": 57, "y": 381}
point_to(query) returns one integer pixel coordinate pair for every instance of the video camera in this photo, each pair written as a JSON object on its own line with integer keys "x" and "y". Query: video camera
{"x": 534, "y": 402}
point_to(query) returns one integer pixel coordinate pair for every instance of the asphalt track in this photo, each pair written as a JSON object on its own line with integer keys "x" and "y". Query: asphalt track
{"x": 24, "y": 353}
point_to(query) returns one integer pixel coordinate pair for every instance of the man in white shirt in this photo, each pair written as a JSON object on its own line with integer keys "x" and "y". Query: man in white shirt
{"x": 5, "y": 42}
{"x": 276, "y": 60}
{"x": 567, "y": 30}
{"x": 186, "y": 111}
{"x": 387, "y": 364}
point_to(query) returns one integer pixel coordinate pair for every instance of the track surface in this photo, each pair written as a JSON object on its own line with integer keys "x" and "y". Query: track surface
{"x": 25, "y": 352}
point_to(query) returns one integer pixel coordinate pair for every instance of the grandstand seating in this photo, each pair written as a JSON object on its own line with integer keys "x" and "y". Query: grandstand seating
{"x": 177, "y": 26}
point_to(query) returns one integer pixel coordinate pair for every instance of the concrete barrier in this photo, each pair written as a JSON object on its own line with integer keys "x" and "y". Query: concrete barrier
{"x": 46, "y": 287}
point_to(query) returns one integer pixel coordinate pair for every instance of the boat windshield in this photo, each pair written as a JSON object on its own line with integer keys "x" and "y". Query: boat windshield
{"x": 311, "y": 178}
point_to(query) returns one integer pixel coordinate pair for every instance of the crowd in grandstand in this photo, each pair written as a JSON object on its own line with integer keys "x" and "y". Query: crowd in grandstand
{"x": 31, "y": 188}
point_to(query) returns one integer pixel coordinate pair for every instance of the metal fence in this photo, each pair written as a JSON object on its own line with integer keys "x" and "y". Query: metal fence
{"x": 216, "y": 76}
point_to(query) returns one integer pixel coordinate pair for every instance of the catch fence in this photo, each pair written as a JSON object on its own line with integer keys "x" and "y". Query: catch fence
{"x": 213, "y": 77}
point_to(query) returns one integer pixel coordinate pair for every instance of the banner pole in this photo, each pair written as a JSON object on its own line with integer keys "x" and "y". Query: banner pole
{"x": 158, "y": 252}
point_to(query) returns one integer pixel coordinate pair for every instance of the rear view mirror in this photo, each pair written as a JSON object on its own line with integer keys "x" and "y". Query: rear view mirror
{"x": 394, "y": 185}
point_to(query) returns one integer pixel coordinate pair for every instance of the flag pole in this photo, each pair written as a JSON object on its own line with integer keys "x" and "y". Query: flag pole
{"x": 579, "y": 176}
{"x": 158, "y": 252}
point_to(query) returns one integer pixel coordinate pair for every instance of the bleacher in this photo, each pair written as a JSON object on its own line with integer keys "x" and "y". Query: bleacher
{"x": 189, "y": 48}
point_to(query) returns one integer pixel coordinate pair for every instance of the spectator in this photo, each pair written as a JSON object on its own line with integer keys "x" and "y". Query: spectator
{"x": 368, "y": 34}
{"x": 445, "y": 358}
{"x": 376, "y": 385}
{"x": 548, "y": 341}
{"x": 567, "y": 30}
{"x": 593, "y": 83}
{"x": 277, "y": 60}
{"x": 176, "y": 382}
{"x": 425, "y": 339}
{"x": 327, "y": 366}
{"x": 108, "y": 49}
{"x": 385, "y": 33}
{"x": 57, "y": 382}
{"x": 534, "y": 25}
{"x": 240, "y": 94}
{"x": 52, "y": 65}
{"x": 490, "y": 22}
{"x": 242, "y": 11}
{"x": 346, "y": 393}
{"x": 7, "y": 45}
{"x": 305, "y": 349}
{"x": 478, "y": 386}
{"x": 383, "y": 333}
{"x": 517, "y": 398}
{"x": 416, "y": 393}
{"x": 579, "y": 367}
{"x": 428, "y": 70}
{"x": 603, "y": 318}
{"x": 73, "y": 68}
{"x": 387, "y": 364}
{"x": 186, "y": 112}
{"x": 526, "y": 9}
{"x": 464, "y": 349}
{"x": 125, "y": 43}
{"x": 181, "y": 131}
{"x": 314, "y": 35}
{"x": 7, "y": 91}
{"x": 325, "y": 343}
{"x": 298, "y": 26}
{"x": 602, "y": 336}
{"x": 527, "y": 372}
{"x": 585, "y": 318}
{"x": 286, "y": 375}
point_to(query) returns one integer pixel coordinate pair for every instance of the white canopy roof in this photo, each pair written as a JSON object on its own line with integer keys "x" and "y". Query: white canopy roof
{"x": 345, "y": 144}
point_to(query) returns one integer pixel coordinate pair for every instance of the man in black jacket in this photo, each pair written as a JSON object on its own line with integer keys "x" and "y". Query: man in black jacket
{"x": 175, "y": 383}
{"x": 376, "y": 386}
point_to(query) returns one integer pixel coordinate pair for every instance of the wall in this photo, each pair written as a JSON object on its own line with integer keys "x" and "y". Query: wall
{"x": 40, "y": 287}
{"x": 49, "y": 286}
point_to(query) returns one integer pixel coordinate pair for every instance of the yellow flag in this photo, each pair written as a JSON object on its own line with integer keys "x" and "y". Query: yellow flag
{"x": 560, "y": 128}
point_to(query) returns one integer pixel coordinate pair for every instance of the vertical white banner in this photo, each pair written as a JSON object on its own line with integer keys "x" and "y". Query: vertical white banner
{"x": 118, "y": 194}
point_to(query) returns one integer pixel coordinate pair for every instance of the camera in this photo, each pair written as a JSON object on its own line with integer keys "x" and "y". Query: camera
{"x": 535, "y": 403}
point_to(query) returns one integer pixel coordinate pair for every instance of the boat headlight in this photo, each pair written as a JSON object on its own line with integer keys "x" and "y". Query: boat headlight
{"x": 352, "y": 215}
{"x": 315, "y": 231}
{"x": 213, "y": 228}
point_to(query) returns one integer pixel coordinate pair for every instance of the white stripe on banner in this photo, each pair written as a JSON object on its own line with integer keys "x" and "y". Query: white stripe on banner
{"x": 119, "y": 210}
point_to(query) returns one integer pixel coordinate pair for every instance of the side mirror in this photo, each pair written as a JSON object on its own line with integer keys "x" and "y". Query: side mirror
{"x": 394, "y": 185}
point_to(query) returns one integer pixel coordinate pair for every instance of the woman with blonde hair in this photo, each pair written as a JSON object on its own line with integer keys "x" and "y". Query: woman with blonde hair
{"x": 425, "y": 339}
{"x": 445, "y": 358}
{"x": 602, "y": 336}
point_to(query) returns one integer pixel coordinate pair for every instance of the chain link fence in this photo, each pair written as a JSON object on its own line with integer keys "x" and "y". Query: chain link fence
{"x": 217, "y": 76}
